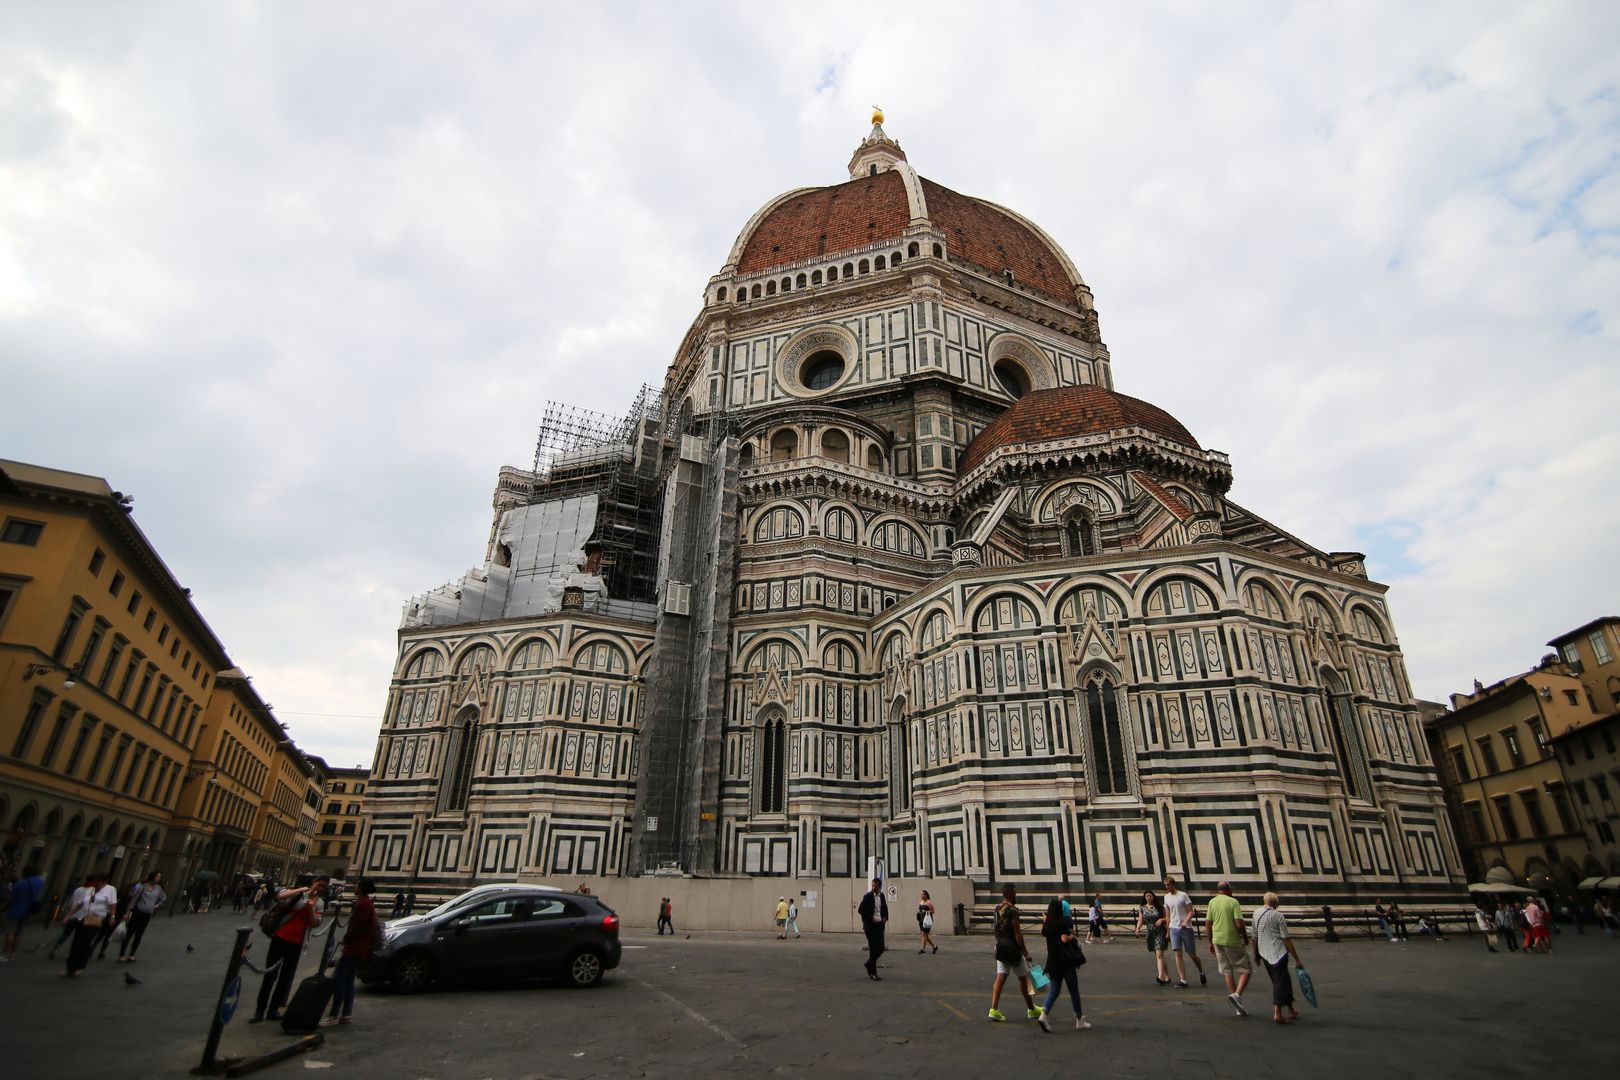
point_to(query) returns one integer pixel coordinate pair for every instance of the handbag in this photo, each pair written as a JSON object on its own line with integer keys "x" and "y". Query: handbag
{"x": 1074, "y": 952}
{"x": 1306, "y": 986}
{"x": 1038, "y": 977}
{"x": 95, "y": 920}
{"x": 927, "y": 921}
{"x": 121, "y": 933}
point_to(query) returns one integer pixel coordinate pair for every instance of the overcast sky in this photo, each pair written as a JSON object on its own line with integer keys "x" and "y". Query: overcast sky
{"x": 301, "y": 277}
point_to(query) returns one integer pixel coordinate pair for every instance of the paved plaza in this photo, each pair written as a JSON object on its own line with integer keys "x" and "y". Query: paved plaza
{"x": 749, "y": 1005}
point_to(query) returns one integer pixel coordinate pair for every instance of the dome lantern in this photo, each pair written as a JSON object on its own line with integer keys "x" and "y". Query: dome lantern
{"x": 877, "y": 153}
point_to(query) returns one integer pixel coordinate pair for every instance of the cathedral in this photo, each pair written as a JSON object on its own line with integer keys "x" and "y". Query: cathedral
{"x": 887, "y": 576}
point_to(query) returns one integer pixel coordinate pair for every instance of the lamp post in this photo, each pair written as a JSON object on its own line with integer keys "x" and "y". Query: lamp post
{"x": 40, "y": 669}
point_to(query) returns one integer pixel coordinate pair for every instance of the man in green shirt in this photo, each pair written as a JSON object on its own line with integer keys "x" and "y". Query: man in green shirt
{"x": 1228, "y": 938}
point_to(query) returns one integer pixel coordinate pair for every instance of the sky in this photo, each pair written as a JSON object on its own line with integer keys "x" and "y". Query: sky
{"x": 301, "y": 276}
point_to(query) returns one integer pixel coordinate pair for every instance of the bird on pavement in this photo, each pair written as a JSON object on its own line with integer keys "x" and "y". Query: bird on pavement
{"x": 130, "y": 980}
{"x": 188, "y": 948}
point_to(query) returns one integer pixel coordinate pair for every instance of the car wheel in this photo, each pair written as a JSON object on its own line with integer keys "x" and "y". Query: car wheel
{"x": 411, "y": 973}
{"x": 585, "y": 969}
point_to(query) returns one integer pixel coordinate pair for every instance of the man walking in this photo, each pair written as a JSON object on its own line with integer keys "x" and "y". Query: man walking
{"x": 1178, "y": 906}
{"x": 665, "y": 909}
{"x": 410, "y": 902}
{"x": 1505, "y": 928}
{"x": 874, "y": 911}
{"x": 1012, "y": 957}
{"x": 1228, "y": 941}
{"x": 793, "y": 918}
{"x": 27, "y": 897}
{"x": 781, "y": 918}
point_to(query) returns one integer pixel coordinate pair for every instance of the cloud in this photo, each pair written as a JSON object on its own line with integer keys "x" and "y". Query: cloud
{"x": 302, "y": 280}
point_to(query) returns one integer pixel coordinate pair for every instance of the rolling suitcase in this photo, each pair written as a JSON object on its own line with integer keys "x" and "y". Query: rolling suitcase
{"x": 313, "y": 995}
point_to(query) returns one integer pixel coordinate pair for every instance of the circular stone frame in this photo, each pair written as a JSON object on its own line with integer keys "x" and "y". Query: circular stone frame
{"x": 790, "y": 362}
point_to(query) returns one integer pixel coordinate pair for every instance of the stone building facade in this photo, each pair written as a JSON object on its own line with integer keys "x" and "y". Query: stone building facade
{"x": 930, "y": 592}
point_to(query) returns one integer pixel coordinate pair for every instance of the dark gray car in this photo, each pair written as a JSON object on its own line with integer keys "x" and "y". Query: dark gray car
{"x": 500, "y": 932}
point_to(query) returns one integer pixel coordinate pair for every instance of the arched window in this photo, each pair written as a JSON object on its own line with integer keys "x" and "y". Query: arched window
{"x": 784, "y": 445}
{"x": 866, "y": 266}
{"x": 756, "y": 292}
{"x": 1079, "y": 537}
{"x": 874, "y": 459}
{"x": 802, "y": 281}
{"x": 835, "y": 445}
{"x": 815, "y": 278}
{"x": 773, "y": 764}
{"x": 1012, "y": 377}
{"x": 840, "y": 525}
{"x": 899, "y": 762}
{"x": 459, "y": 760}
{"x": 939, "y": 251}
{"x": 832, "y": 273}
{"x": 912, "y": 250}
{"x": 849, "y": 270}
{"x": 745, "y": 457}
{"x": 770, "y": 288}
{"x": 1347, "y": 746}
{"x": 1109, "y": 773}
{"x": 894, "y": 260}
{"x": 721, "y": 295}
{"x": 880, "y": 262}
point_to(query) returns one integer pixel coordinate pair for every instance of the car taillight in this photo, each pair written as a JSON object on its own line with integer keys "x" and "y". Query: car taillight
{"x": 610, "y": 922}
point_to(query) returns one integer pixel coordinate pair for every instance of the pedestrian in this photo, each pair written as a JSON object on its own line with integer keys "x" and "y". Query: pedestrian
{"x": 793, "y": 918}
{"x": 1506, "y": 927}
{"x": 95, "y": 904}
{"x": 781, "y": 918}
{"x": 1383, "y": 920}
{"x": 1228, "y": 941}
{"x": 299, "y": 915}
{"x": 70, "y": 920}
{"x": 399, "y": 905}
{"x": 1537, "y": 937}
{"x": 1397, "y": 920}
{"x": 105, "y": 935}
{"x": 1275, "y": 946}
{"x": 1097, "y": 923}
{"x": 1062, "y": 965}
{"x": 1486, "y": 925}
{"x": 1151, "y": 921}
{"x": 925, "y": 921}
{"x": 26, "y": 899}
{"x": 874, "y": 910}
{"x": 665, "y": 910}
{"x": 410, "y": 902}
{"x": 1604, "y": 915}
{"x": 147, "y": 897}
{"x": 1012, "y": 956}
{"x": 363, "y": 934}
{"x": 1180, "y": 912}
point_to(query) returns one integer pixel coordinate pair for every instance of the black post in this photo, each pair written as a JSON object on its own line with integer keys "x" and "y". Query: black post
{"x": 210, "y": 1066}
{"x": 961, "y": 919}
{"x": 1328, "y": 933}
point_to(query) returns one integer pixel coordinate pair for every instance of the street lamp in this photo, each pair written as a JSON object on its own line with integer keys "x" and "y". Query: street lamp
{"x": 73, "y": 673}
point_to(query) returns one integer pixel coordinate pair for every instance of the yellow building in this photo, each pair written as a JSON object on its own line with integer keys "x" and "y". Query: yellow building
{"x": 1592, "y": 653}
{"x": 220, "y": 803}
{"x": 105, "y": 666}
{"x": 1506, "y": 788}
{"x": 273, "y": 845}
{"x": 342, "y": 821}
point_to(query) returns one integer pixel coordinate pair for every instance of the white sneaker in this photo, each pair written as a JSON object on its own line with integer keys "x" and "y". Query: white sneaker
{"x": 1237, "y": 1003}
{"x": 1082, "y": 1024}
{"x": 1046, "y": 1025}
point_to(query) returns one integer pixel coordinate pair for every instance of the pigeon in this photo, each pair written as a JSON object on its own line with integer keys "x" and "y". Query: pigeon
{"x": 189, "y": 949}
{"x": 130, "y": 980}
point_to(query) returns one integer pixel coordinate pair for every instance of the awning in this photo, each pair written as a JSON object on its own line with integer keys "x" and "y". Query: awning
{"x": 1609, "y": 883}
{"x": 1590, "y": 883}
{"x": 1499, "y": 889}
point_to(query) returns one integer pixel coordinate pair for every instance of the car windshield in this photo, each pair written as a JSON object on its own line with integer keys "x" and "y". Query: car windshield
{"x": 460, "y": 901}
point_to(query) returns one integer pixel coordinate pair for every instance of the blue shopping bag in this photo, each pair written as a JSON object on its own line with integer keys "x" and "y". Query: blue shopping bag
{"x": 1037, "y": 977}
{"x": 1306, "y": 986}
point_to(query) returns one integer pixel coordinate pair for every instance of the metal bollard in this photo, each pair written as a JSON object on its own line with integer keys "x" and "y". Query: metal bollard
{"x": 961, "y": 920}
{"x": 1328, "y": 933}
{"x": 230, "y": 992}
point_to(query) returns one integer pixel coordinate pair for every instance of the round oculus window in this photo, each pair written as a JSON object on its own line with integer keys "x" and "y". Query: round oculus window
{"x": 1012, "y": 378}
{"x": 822, "y": 370}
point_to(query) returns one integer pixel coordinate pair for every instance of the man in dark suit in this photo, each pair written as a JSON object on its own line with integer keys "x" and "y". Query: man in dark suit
{"x": 874, "y": 911}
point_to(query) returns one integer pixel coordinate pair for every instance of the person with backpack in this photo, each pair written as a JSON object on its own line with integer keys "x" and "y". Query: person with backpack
{"x": 360, "y": 940}
{"x": 288, "y": 922}
{"x": 1012, "y": 956}
{"x": 26, "y": 901}
{"x": 144, "y": 902}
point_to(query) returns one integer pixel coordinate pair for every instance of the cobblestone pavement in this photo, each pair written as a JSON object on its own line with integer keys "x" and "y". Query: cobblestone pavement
{"x": 749, "y": 1005}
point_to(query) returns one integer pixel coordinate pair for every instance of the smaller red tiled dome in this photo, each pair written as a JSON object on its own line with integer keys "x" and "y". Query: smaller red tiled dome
{"x": 1068, "y": 412}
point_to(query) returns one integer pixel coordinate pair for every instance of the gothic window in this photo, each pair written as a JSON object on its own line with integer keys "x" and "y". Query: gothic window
{"x": 840, "y": 525}
{"x": 532, "y": 656}
{"x": 835, "y": 445}
{"x": 601, "y": 656}
{"x": 1090, "y": 602}
{"x": 1262, "y": 601}
{"x": 935, "y": 630}
{"x": 1109, "y": 772}
{"x": 1006, "y": 613}
{"x": 479, "y": 659}
{"x": 1347, "y": 746}
{"x": 1367, "y": 627}
{"x": 772, "y": 774}
{"x": 900, "y": 767}
{"x": 459, "y": 763}
{"x": 1179, "y": 596}
{"x": 784, "y": 445}
{"x": 838, "y": 657}
{"x": 898, "y": 537}
{"x": 1079, "y": 536}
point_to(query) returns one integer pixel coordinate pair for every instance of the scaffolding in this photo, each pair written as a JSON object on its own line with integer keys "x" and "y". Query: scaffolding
{"x": 616, "y": 458}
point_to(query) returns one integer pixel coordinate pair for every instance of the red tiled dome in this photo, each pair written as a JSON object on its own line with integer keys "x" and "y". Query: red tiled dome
{"x": 871, "y": 209}
{"x": 1067, "y": 412}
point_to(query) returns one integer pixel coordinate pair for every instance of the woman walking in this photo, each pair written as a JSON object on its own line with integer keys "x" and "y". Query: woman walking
{"x": 146, "y": 898}
{"x": 1097, "y": 924}
{"x": 1062, "y": 965}
{"x": 364, "y": 934}
{"x": 925, "y": 922}
{"x": 1272, "y": 942}
{"x": 94, "y": 907}
{"x": 1151, "y": 918}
